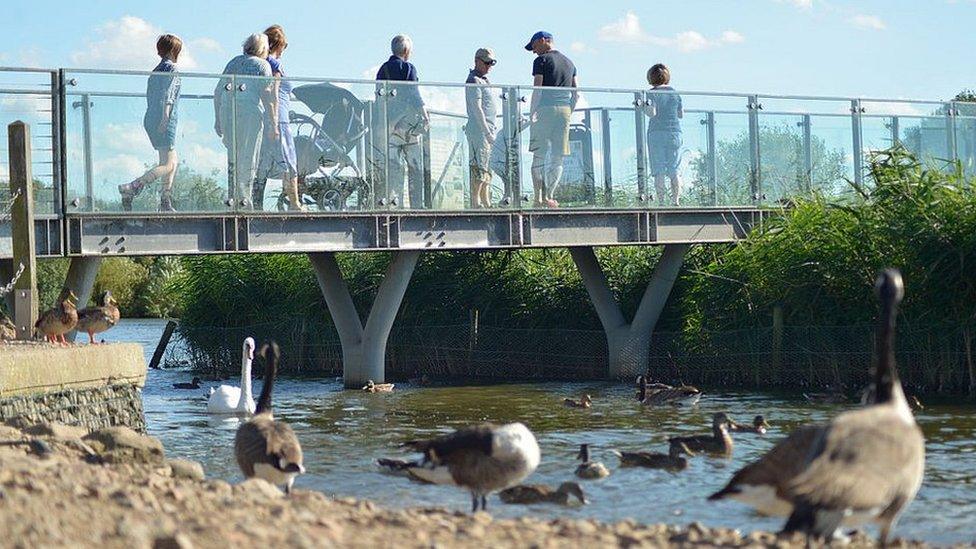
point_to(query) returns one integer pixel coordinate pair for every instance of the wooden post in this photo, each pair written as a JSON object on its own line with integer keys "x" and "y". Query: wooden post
{"x": 161, "y": 347}
{"x": 777, "y": 340}
{"x": 22, "y": 228}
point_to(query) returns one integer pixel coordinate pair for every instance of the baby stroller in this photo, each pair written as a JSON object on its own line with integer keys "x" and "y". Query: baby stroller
{"x": 327, "y": 174}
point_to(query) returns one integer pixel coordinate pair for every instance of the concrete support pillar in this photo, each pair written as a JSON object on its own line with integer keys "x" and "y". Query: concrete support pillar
{"x": 364, "y": 346}
{"x": 628, "y": 344}
{"x": 81, "y": 280}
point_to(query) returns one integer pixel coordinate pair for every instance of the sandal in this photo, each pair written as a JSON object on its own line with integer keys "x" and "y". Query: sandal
{"x": 129, "y": 192}
{"x": 166, "y": 201}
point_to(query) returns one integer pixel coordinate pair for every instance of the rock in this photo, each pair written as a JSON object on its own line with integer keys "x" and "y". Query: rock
{"x": 185, "y": 468}
{"x": 260, "y": 488}
{"x": 119, "y": 445}
{"x": 56, "y": 430}
{"x": 176, "y": 541}
{"x": 8, "y": 433}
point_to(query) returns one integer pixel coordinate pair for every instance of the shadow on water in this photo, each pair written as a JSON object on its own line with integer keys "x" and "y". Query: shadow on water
{"x": 344, "y": 432}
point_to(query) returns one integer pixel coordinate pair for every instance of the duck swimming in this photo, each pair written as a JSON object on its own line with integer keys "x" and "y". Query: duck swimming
{"x": 672, "y": 461}
{"x": 372, "y": 387}
{"x": 589, "y": 469}
{"x": 194, "y": 384}
{"x": 528, "y": 494}
{"x": 759, "y": 426}
{"x": 655, "y": 394}
{"x": 718, "y": 443}
{"x": 584, "y": 402}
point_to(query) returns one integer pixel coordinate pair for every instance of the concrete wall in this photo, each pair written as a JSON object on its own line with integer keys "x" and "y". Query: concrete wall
{"x": 92, "y": 386}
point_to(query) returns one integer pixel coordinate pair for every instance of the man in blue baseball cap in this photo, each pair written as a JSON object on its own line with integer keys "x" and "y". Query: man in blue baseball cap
{"x": 550, "y": 112}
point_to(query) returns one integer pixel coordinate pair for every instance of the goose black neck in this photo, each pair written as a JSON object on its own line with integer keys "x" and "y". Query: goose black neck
{"x": 270, "y": 353}
{"x": 642, "y": 394}
{"x": 584, "y": 453}
{"x": 886, "y": 375}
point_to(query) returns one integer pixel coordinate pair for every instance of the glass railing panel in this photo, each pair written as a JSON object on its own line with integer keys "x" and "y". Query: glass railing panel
{"x": 695, "y": 168}
{"x": 786, "y": 168}
{"x": 922, "y": 128}
{"x": 115, "y": 130}
{"x": 715, "y": 161}
{"x": 25, "y": 95}
{"x": 965, "y": 136}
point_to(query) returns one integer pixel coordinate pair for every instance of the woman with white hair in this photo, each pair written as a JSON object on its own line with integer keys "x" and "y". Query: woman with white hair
{"x": 239, "y": 112}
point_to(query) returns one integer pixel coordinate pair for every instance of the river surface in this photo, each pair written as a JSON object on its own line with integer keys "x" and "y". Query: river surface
{"x": 344, "y": 432}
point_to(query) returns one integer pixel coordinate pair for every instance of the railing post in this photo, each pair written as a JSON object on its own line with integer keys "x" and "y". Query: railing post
{"x": 607, "y": 156}
{"x": 86, "y": 143}
{"x": 513, "y": 165}
{"x": 712, "y": 159}
{"x": 22, "y": 228}
{"x": 895, "y": 131}
{"x": 807, "y": 152}
{"x": 57, "y": 173}
{"x": 639, "y": 102}
{"x": 951, "y": 130}
{"x": 856, "y": 110}
{"x": 755, "y": 165}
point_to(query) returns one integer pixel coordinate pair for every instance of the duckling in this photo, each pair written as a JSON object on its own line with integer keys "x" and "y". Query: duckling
{"x": 718, "y": 443}
{"x": 672, "y": 461}
{"x": 759, "y": 426}
{"x": 590, "y": 469}
{"x": 194, "y": 384}
{"x": 60, "y": 319}
{"x": 101, "y": 318}
{"x": 653, "y": 394}
{"x": 528, "y": 494}
{"x": 371, "y": 387}
{"x": 584, "y": 402}
{"x": 264, "y": 447}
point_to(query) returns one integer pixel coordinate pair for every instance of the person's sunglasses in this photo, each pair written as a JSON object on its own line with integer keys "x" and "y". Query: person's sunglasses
{"x": 490, "y": 62}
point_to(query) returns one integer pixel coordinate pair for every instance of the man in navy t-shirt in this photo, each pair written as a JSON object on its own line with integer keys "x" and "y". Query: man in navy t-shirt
{"x": 550, "y": 113}
{"x": 407, "y": 122}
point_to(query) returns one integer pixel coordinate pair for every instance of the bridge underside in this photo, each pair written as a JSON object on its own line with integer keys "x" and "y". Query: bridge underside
{"x": 178, "y": 234}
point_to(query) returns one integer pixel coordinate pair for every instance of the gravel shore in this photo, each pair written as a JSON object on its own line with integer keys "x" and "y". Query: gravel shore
{"x": 61, "y": 486}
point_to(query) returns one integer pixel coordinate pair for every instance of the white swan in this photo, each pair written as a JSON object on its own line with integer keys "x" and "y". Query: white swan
{"x": 228, "y": 399}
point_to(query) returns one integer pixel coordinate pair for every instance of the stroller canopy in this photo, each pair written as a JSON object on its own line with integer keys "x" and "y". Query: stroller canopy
{"x": 341, "y": 110}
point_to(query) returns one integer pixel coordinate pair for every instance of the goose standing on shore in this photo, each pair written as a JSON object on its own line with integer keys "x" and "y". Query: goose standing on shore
{"x": 98, "y": 319}
{"x": 228, "y": 399}
{"x": 718, "y": 443}
{"x": 672, "y": 461}
{"x": 482, "y": 458}
{"x": 266, "y": 448}
{"x": 60, "y": 319}
{"x": 866, "y": 465}
{"x": 655, "y": 394}
{"x": 590, "y": 469}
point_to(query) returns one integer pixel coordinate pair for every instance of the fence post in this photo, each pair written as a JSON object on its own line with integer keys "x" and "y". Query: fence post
{"x": 777, "y": 339}
{"x": 161, "y": 346}
{"x": 22, "y": 228}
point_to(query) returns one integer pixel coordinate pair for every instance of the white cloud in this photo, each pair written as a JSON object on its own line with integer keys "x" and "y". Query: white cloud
{"x": 370, "y": 73}
{"x": 868, "y": 22}
{"x": 628, "y": 30}
{"x": 129, "y": 42}
{"x": 803, "y": 4}
{"x": 578, "y": 47}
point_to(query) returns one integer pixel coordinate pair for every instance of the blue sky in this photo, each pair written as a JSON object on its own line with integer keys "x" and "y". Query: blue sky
{"x": 893, "y": 48}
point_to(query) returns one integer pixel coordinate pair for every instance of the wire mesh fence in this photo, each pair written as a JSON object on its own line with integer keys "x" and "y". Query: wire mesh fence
{"x": 932, "y": 359}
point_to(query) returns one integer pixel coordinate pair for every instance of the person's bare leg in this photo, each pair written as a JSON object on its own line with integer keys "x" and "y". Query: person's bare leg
{"x": 168, "y": 161}
{"x": 661, "y": 194}
{"x": 485, "y": 190}
{"x": 291, "y": 191}
{"x": 675, "y": 190}
{"x": 538, "y": 177}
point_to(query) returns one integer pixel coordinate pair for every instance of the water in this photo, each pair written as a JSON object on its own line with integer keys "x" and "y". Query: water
{"x": 344, "y": 432}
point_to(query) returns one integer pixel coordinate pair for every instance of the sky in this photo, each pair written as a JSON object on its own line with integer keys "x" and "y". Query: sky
{"x": 893, "y": 48}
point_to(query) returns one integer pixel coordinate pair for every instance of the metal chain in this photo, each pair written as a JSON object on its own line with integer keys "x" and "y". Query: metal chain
{"x": 4, "y": 290}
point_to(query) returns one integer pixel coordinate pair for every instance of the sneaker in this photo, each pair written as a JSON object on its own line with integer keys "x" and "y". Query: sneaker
{"x": 129, "y": 191}
{"x": 166, "y": 202}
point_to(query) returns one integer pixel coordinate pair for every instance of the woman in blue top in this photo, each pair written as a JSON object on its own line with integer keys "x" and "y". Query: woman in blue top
{"x": 278, "y": 158}
{"x": 663, "y": 131}
{"x": 162, "y": 95}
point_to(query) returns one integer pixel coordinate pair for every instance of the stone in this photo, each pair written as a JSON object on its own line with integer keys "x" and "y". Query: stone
{"x": 185, "y": 468}
{"x": 9, "y": 433}
{"x": 123, "y": 445}
{"x": 260, "y": 488}
{"x": 176, "y": 541}
{"x": 56, "y": 430}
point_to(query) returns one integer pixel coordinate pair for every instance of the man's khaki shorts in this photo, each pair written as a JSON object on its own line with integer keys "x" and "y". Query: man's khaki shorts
{"x": 550, "y": 131}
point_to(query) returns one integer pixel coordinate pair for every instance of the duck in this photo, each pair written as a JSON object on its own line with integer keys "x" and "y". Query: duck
{"x": 372, "y": 387}
{"x": 481, "y": 458}
{"x": 718, "y": 443}
{"x": 653, "y": 394}
{"x": 60, "y": 319}
{"x": 528, "y": 494}
{"x": 228, "y": 399}
{"x": 267, "y": 448}
{"x": 589, "y": 469}
{"x": 193, "y": 384}
{"x": 672, "y": 461}
{"x": 584, "y": 402}
{"x": 759, "y": 426}
{"x": 98, "y": 319}
{"x": 865, "y": 465}
{"x": 832, "y": 395}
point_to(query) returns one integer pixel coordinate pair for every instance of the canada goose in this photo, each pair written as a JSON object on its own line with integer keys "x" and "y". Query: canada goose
{"x": 584, "y": 402}
{"x": 759, "y": 426}
{"x": 372, "y": 387}
{"x": 98, "y": 319}
{"x": 528, "y": 494}
{"x": 719, "y": 442}
{"x": 399, "y": 467}
{"x": 865, "y": 465}
{"x": 672, "y": 461}
{"x": 482, "y": 458}
{"x": 266, "y": 448}
{"x": 654, "y": 394}
{"x": 194, "y": 384}
{"x": 228, "y": 399}
{"x": 589, "y": 469}
{"x": 60, "y": 319}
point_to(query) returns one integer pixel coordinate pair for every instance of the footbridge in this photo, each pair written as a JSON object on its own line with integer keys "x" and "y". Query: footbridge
{"x": 386, "y": 166}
